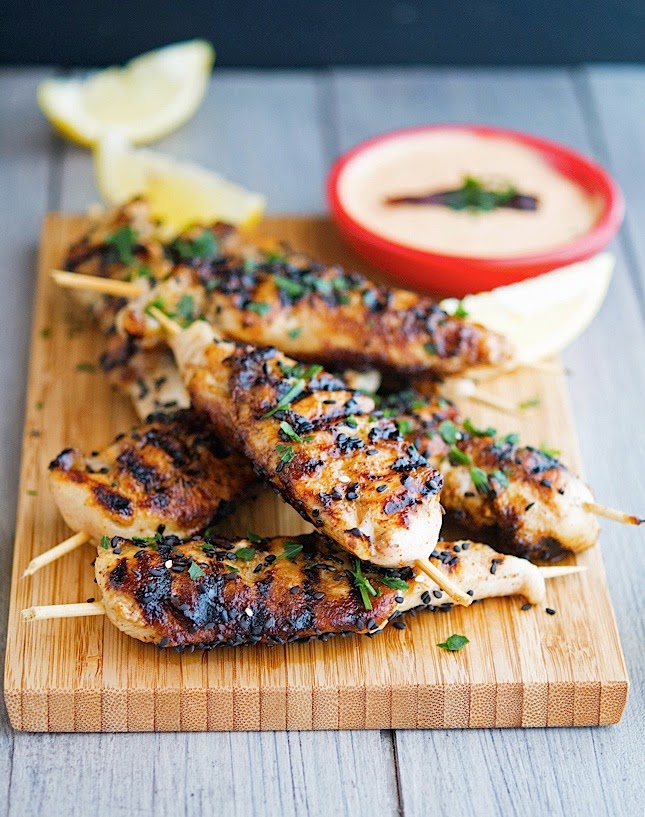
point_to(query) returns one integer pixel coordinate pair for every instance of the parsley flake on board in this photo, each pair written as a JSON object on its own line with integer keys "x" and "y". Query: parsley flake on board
{"x": 194, "y": 571}
{"x": 363, "y": 586}
{"x": 90, "y": 368}
{"x": 291, "y": 550}
{"x": 454, "y": 643}
{"x": 554, "y": 453}
{"x": 526, "y": 404}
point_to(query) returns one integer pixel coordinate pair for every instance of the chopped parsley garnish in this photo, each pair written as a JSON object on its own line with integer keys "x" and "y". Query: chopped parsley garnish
{"x": 105, "y": 542}
{"x": 195, "y": 571}
{"x": 449, "y": 432}
{"x": 202, "y": 247}
{"x": 258, "y": 307}
{"x": 350, "y": 421}
{"x": 291, "y": 550}
{"x": 253, "y": 537}
{"x": 246, "y": 554}
{"x": 461, "y": 311}
{"x": 293, "y": 289}
{"x": 554, "y": 453}
{"x": 142, "y": 271}
{"x": 274, "y": 257}
{"x": 90, "y": 368}
{"x": 430, "y": 348}
{"x": 479, "y": 432}
{"x": 394, "y": 583}
{"x": 286, "y": 452}
{"x": 526, "y": 404}
{"x": 511, "y": 439}
{"x": 123, "y": 240}
{"x": 480, "y": 480}
{"x": 500, "y": 478}
{"x": 186, "y": 307}
{"x": 288, "y": 429}
{"x": 404, "y": 426}
{"x": 458, "y": 457}
{"x": 284, "y": 402}
{"x": 363, "y": 586}
{"x": 454, "y": 643}
{"x": 295, "y": 332}
{"x": 418, "y": 404}
{"x": 232, "y": 569}
{"x": 312, "y": 371}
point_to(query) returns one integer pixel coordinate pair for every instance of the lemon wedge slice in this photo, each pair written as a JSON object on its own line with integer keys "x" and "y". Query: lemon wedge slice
{"x": 179, "y": 193}
{"x": 148, "y": 98}
{"x": 543, "y": 315}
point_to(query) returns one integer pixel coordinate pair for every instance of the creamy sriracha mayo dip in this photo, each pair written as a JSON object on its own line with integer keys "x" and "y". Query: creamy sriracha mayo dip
{"x": 420, "y": 164}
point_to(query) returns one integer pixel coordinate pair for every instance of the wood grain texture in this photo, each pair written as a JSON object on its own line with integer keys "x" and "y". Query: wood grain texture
{"x": 78, "y": 675}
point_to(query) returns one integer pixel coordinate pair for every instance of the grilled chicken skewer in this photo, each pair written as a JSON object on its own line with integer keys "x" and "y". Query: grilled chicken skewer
{"x": 312, "y": 439}
{"x": 171, "y": 471}
{"x": 525, "y": 498}
{"x": 220, "y": 592}
{"x": 308, "y": 310}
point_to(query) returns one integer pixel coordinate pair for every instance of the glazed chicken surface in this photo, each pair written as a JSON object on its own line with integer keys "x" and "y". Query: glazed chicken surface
{"x": 220, "y": 592}
{"x": 277, "y": 297}
{"x": 354, "y": 477}
{"x": 526, "y": 498}
{"x": 172, "y": 471}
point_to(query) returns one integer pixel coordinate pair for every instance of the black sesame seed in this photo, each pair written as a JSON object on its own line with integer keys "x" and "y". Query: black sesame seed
{"x": 465, "y": 545}
{"x": 550, "y": 611}
{"x": 91, "y": 599}
{"x": 381, "y": 488}
{"x": 294, "y": 590}
{"x": 526, "y": 606}
{"x": 399, "y": 625}
{"x": 470, "y": 592}
{"x": 437, "y": 594}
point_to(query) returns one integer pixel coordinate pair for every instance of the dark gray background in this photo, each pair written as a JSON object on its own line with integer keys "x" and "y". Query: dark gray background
{"x": 312, "y": 33}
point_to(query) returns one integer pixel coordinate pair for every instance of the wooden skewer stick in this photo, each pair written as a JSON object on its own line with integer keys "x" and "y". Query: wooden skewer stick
{"x": 446, "y": 584}
{"x": 170, "y": 326}
{"x": 85, "y": 608}
{"x": 96, "y": 608}
{"x": 612, "y": 513}
{"x": 94, "y": 283}
{"x": 553, "y": 571}
{"x": 56, "y": 552}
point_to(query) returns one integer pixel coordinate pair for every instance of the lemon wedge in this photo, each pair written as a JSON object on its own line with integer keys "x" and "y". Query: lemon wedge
{"x": 179, "y": 193}
{"x": 543, "y": 315}
{"x": 148, "y": 98}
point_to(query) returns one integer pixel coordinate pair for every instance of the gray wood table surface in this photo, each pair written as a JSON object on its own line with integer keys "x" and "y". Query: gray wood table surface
{"x": 278, "y": 132}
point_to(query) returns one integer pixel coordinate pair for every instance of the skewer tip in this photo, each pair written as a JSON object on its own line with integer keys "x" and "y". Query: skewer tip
{"x": 167, "y": 324}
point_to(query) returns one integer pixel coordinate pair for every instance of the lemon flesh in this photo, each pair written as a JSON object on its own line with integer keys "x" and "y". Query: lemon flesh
{"x": 148, "y": 98}
{"x": 179, "y": 193}
{"x": 542, "y": 316}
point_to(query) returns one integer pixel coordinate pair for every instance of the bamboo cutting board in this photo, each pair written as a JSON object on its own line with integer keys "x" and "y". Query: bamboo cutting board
{"x": 521, "y": 668}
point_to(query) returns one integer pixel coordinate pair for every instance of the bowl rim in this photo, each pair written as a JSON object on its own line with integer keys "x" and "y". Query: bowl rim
{"x": 586, "y": 245}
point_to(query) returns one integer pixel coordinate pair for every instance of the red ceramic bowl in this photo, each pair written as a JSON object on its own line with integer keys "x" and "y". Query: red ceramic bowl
{"x": 460, "y": 275}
